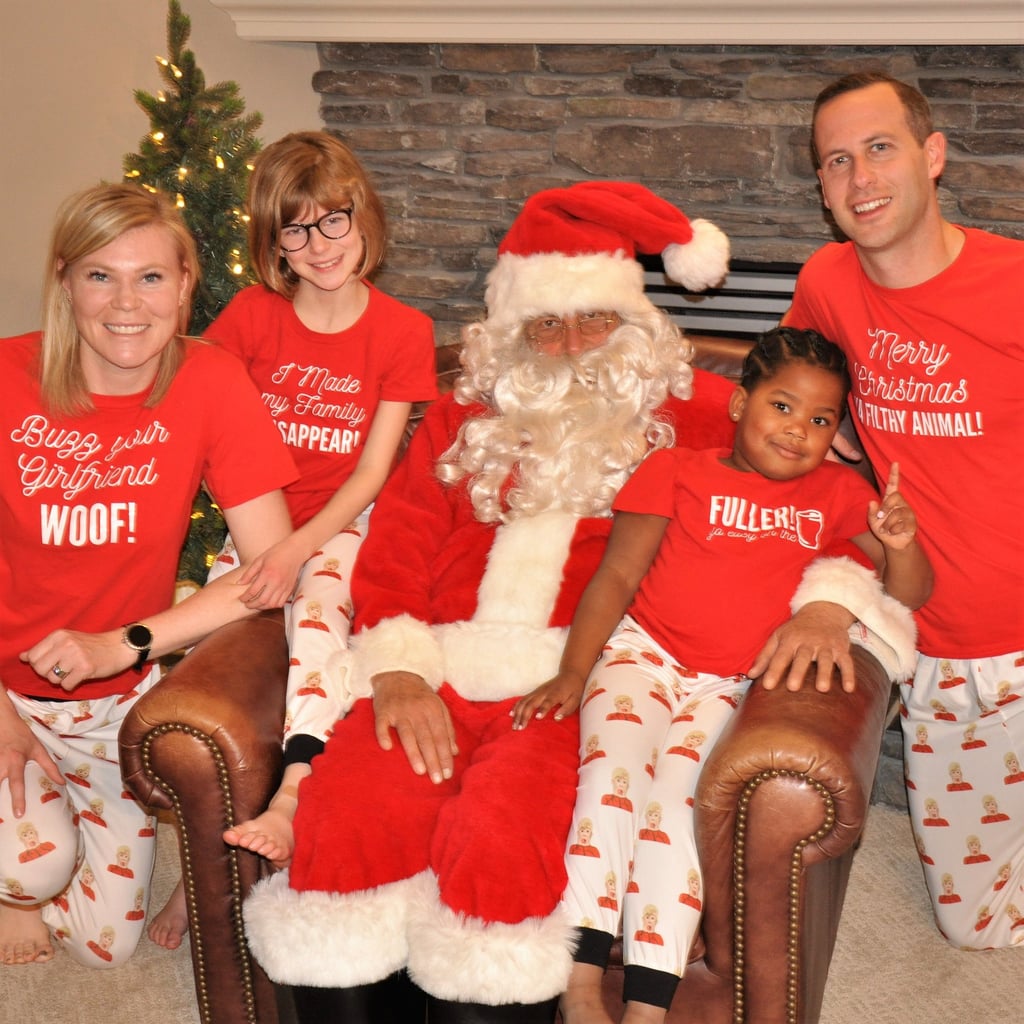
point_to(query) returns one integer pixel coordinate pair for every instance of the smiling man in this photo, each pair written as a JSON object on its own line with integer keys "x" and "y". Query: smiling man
{"x": 929, "y": 314}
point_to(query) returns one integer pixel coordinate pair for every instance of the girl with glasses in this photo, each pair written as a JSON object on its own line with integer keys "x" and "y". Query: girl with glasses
{"x": 339, "y": 364}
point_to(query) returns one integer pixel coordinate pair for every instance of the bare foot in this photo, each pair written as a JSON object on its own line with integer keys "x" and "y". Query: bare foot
{"x": 24, "y": 939}
{"x": 581, "y": 1003}
{"x": 269, "y": 834}
{"x": 168, "y": 928}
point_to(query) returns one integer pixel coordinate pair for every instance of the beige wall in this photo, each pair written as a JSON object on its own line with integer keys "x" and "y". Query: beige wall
{"x": 68, "y": 69}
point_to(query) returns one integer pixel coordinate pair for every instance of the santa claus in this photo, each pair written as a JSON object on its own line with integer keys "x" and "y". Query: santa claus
{"x": 439, "y": 857}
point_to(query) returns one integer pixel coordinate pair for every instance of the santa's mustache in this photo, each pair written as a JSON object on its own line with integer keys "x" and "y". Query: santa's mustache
{"x": 539, "y": 381}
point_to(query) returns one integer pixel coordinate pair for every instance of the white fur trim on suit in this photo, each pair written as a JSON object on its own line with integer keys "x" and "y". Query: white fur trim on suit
{"x": 522, "y": 287}
{"x": 490, "y": 661}
{"x": 331, "y": 940}
{"x": 465, "y": 959}
{"x": 508, "y": 648}
{"x": 892, "y": 634}
{"x": 399, "y": 644}
{"x": 525, "y": 568}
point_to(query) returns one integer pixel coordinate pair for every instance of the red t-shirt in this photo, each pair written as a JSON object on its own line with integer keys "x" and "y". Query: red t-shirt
{"x": 426, "y": 552}
{"x": 94, "y": 508}
{"x": 734, "y": 550}
{"x": 938, "y": 386}
{"x": 323, "y": 389}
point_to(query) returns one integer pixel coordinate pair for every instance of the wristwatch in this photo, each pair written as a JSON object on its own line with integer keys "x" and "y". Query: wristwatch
{"x": 139, "y": 637}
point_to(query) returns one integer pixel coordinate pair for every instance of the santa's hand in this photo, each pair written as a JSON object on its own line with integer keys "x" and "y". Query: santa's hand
{"x": 402, "y": 701}
{"x": 561, "y": 694}
{"x": 817, "y": 634}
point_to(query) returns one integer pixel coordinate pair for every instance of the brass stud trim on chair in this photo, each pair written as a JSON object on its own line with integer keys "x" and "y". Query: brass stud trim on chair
{"x": 188, "y": 875}
{"x": 740, "y": 893}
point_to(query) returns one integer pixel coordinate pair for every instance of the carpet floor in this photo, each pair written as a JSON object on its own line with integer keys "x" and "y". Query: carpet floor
{"x": 890, "y": 964}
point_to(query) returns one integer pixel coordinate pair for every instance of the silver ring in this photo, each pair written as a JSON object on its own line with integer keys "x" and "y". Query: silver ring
{"x": 59, "y": 672}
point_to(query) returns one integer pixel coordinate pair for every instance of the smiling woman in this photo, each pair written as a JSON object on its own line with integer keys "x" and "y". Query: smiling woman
{"x": 100, "y": 236}
{"x": 111, "y": 419}
{"x": 128, "y": 300}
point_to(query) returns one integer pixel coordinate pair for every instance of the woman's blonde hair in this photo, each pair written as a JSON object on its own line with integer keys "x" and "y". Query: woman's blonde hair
{"x": 85, "y": 223}
{"x": 299, "y": 171}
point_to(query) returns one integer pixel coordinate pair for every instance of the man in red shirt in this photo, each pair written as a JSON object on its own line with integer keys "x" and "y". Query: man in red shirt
{"x": 929, "y": 316}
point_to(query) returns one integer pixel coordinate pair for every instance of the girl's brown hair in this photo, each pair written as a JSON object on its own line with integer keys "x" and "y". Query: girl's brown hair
{"x": 300, "y": 171}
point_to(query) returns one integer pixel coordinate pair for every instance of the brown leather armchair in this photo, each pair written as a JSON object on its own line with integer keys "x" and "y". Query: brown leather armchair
{"x": 781, "y": 804}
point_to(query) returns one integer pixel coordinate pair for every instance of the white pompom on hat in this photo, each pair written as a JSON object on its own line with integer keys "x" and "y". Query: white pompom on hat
{"x": 574, "y": 249}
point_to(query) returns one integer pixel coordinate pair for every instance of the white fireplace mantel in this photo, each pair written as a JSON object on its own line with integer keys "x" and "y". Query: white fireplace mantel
{"x": 839, "y": 22}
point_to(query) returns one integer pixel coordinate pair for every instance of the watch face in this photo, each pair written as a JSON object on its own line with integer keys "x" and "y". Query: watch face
{"x": 139, "y": 636}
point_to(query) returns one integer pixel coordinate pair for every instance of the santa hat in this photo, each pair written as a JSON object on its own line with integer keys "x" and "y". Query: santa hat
{"x": 574, "y": 249}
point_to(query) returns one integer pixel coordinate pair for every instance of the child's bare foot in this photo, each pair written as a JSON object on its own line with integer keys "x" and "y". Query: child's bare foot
{"x": 581, "y": 1003}
{"x": 24, "y": 939}
{"x": 269, "y": 835}
{"x": 168, "y": 928}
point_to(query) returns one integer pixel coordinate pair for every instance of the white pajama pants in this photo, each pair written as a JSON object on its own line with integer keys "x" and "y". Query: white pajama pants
{"x": 963, "y": 745}
{"x": 318, "y": 620}
{"x": 646, "y": 724}
{"x": 83, "y": 851}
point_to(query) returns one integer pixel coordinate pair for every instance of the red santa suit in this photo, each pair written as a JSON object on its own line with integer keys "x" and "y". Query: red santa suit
{"x": 460, "y": 881}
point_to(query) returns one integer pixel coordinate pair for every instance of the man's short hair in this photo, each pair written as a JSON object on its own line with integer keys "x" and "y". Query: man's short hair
{"x": 915, "y": 106}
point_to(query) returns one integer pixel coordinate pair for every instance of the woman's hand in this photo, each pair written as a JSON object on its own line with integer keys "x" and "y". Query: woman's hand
{"x": 18, "y": 746}
{"x": 563, "y": 692}
{"x": 67, "y": 657}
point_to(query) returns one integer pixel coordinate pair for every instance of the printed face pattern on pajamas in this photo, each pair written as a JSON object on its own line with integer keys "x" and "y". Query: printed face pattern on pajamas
{"x": 963, "y": 726}
{"x": 646, "y": 725}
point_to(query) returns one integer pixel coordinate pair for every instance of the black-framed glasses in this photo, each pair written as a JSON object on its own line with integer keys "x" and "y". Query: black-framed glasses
{"x": 334, "y": 224}
{"x": 551, "y": 329}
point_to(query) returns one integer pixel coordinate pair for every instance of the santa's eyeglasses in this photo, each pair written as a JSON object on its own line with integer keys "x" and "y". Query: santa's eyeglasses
{"x": 550, "y": 329}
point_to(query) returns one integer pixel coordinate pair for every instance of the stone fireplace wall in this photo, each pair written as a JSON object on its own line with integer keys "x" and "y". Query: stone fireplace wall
{"x": 457, "y": 135}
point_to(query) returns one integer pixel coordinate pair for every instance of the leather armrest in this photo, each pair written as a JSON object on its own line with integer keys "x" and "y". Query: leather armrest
{"x": 206, "y": 743}
{"x": 780, "y": 806}
{"x": 226, "y": 701}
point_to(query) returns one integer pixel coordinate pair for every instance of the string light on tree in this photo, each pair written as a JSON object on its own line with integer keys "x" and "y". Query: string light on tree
{"x": 199, "y": 150}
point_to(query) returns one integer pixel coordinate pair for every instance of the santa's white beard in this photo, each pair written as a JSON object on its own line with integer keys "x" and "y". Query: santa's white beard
{"x": 566, "y": 431}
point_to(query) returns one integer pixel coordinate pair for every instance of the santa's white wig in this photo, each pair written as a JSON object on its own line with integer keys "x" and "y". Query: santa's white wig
{"x": 565, "y": 432}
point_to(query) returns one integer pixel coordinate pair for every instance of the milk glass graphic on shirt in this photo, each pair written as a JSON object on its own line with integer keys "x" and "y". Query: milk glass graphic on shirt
{"x": 809, "y": 524}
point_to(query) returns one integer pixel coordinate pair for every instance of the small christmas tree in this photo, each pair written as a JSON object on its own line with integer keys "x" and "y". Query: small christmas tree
{"x": 199, "y": 149}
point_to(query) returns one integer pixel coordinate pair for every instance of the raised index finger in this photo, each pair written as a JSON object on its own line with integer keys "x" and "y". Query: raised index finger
{"x": 893, "y": 484}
